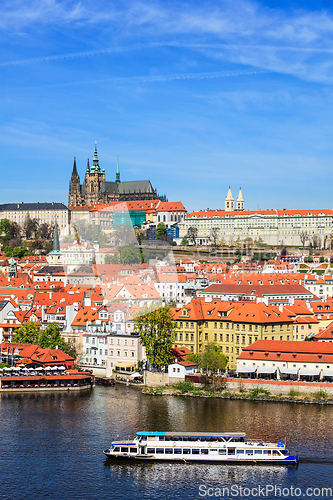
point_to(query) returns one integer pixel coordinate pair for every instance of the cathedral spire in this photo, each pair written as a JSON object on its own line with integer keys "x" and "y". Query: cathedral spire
{"x": 88, "y": 167}
{"x": 74, "y": 173}
{"x": 118, "y": 173}
{"x": 96, "y": 169}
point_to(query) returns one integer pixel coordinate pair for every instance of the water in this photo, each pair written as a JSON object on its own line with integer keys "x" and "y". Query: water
{"x": 51, "y": 446}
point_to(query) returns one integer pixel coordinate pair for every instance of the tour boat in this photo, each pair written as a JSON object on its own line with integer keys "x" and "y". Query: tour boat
{"x": 226, "y": 447}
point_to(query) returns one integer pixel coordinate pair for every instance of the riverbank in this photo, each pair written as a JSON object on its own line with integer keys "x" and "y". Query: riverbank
{"x": 319, "y": 395}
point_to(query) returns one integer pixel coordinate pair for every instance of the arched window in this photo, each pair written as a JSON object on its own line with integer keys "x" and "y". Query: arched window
{"x": 163, "y": 218}
{"x": 158, "y": 219}
{"x": 171, "y": 218}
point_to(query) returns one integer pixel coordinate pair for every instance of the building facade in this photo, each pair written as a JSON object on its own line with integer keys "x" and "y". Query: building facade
{"x": 273, "y": 227}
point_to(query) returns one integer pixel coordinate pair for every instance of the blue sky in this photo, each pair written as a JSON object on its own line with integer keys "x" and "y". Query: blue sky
{"x": 195, "y": 95}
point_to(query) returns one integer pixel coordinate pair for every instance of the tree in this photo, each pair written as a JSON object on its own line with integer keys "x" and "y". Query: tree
{"x": 130, "y": 255}
{"x": 160, "y": 230}
{"x": 184, "y": 242}
{"x": 45, "y": 231}
{"x": 15, "y": 230}
{"x": 194, "y": 357}
{"x": 5, "y": 229}
{"x": 213, "y": 358}
{"x": 28, "y": 333}
{"x": 8, "y": 251}
{"x": 192, "y": 233}
{"x": 304, "y": 238}
{"x": 157, "y": 330}
{"x": 112, "y": 259}
{"x": 30, "y": 226}
{"x": 51, "y": 337}
{"x": 20, "y": 252}
{"x": 214, "y": 236}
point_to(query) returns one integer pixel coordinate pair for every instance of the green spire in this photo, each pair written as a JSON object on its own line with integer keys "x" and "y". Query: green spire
{"x": 95, "y": 169}
{"x": 117, "y": 173}
{"x": 56, "y": 245}
{"x": 88, "y": 168}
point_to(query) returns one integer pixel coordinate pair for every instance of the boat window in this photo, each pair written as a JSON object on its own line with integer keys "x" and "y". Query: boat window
{"x": 267, "y": 452}
{"x": 195, "y": 451}
{"x": 168, "y": 451}
{"x": 204, "y": 452}
{"x": 274, "y": 453}
{"x": 169, "y": 438}
{"x": 150, "y": 450}
{"x": 231, "y": 451}
{"x": 160, "y": 450}
{"x": 213, "y": 450}
{"x": 161, "y": 438}
{"x": 186, "y": 451}
{"x": 124, "y": 449}
{"x": 240, "y": 452}
{"x": 133, "y": 450}
{"x": 177, "y": 451}
{"x": 151, "y": 438}
{"x": 258, "y": 452}
{"x": 249, "y": 452}
{"x": 117, "y": 448}
{"x": 222, "y": 452}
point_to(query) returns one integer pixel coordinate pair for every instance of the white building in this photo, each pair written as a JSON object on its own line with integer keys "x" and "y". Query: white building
{"x": 179, "y": 369}
{"x": 46, "y": 213}
{"x": 274, "y": 227}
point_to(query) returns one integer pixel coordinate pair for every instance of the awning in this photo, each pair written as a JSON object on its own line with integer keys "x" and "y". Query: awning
{"x": 124, "y": 364}
{"x": 246, "y": 369}
{"x": 327, "y": 373}
{"x": 309, "y": 373}
{"x": 266, "y": 369}
{"x": 136, "y": 375}
{"x": 288, "y": 371}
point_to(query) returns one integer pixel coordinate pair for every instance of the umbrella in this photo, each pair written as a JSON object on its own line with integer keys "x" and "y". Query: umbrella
{"x": 25, "y": 369}
{"x": 31, "y": 369}
{"x": 61, "y": 368}
{"x": 1, "y": 369}
{"x": 135, "y": 375}
{"x": 40, "y": 368}
{"x": 54, "y": 368}
{"x": 16, "y": 369}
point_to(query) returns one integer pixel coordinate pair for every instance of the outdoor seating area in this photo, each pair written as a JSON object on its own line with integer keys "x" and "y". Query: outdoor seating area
{"x": 58, "y": 381}
{"x": 32, "y": 372}
{"x": 286, "y": 374}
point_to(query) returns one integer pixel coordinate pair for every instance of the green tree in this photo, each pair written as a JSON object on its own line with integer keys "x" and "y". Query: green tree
{"x": 51, "y": 337}
{"x": 112, "y": 259}
{"x": 8, "y": 251}
{"x": 184, "y": 242}
{"x": 213, "y": 358}
{"x": 5, "y": 229}
{"x": 130, "y": 255}
{"x": 160, "y": 230}
{"x": 157, "y": 330}
{"x": 194, "y": 357}
{"x": 20, "y": 252}
{"x": 28, "y": 333}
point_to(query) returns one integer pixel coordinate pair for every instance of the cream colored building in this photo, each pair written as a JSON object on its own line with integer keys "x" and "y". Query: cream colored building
{"x": 44, "y": 212}
{"x": 274, "y": 227}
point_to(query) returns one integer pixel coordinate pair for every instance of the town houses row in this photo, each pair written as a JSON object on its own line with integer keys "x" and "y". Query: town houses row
{"x": 95, "y": 306}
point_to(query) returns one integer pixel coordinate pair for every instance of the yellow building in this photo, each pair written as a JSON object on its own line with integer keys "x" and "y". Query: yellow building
{"x": 231, "y": 325}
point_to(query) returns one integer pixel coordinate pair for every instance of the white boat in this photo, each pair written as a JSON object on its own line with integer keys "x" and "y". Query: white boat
{"x": 226, "y": 447}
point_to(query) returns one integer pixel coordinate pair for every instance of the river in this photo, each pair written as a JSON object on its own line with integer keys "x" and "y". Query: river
{"x": 51, "y": 447}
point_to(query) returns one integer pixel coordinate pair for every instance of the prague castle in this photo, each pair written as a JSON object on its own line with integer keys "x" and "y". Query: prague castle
{"x": 96, "y": 189}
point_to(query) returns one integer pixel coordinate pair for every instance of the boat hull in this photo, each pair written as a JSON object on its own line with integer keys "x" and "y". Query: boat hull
{"x": 291, "y": 460}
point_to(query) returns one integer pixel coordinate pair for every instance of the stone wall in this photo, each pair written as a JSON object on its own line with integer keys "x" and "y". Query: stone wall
{"x": 277, "y": 386}
{"x": 155, "y": 379}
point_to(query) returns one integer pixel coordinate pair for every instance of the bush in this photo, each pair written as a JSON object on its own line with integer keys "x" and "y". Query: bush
{"x": 293, "y": 393}
{"x": 258, "y": 391}
{"x": 185, "y": 386}
{"x": 321, "y": 394}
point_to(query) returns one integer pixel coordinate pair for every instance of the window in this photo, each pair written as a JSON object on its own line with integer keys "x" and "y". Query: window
{"x": 221, "y": 337}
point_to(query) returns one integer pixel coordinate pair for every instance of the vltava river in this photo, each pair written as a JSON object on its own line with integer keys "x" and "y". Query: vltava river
{"x": 51, "y": 447}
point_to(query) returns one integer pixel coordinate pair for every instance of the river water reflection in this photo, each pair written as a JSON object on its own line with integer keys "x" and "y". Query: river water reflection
{"x": 51, "y": 446}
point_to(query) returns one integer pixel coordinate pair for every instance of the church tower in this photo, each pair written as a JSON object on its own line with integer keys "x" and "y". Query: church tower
{"x": 117, "y": 173}
{"x": 229, "y": 203}
{"x": 93, "y": 180}
{"x": 240, "y": 201}
{"x": 74, "y": 196}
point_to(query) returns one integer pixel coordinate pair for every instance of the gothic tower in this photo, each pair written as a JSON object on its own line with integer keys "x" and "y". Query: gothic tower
{"x": 229, "y": 203}
{"x": 93, "y": 180}
{"x": 74, "y": 196}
